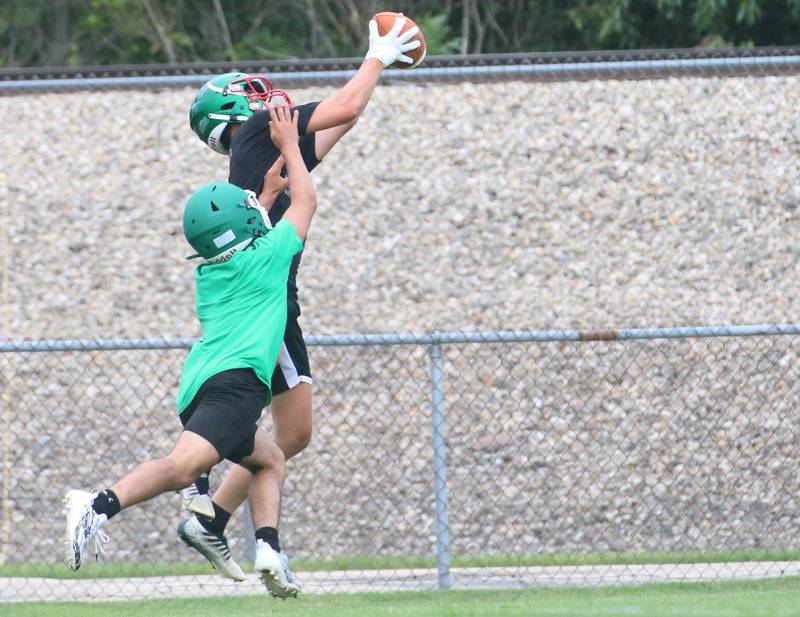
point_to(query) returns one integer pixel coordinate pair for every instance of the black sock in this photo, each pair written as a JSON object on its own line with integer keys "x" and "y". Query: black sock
{"x": 106, "y": 503}
{"x": 270, "y": 536}
{"x": 217, "y": 525}
{"x": 201, "y": 484}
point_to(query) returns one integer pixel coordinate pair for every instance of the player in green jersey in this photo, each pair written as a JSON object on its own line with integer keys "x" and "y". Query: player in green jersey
{"x": 242, "y": 307}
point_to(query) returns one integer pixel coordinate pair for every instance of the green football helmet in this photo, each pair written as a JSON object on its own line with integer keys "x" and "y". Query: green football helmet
{"x": 221, "y": 219}
{"x": 230, "y": 99}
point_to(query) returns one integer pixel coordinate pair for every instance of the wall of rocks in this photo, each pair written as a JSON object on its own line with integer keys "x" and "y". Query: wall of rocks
{"x": 504, "y": 206}
{"x": 455, "y": 206}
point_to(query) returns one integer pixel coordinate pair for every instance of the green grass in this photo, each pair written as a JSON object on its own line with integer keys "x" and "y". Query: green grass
{"x": 101, "y": 570}
{"x": 773, "y": 598}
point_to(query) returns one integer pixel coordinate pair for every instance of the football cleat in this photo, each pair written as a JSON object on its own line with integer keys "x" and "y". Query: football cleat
{"x": 212, "y": 546}
{"x": 273, "y": 568}
{"x": 197, "y": 503}
{"x": 83, "y": 524}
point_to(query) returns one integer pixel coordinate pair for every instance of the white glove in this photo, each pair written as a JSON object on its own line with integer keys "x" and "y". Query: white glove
{"x": 392, "y": 46}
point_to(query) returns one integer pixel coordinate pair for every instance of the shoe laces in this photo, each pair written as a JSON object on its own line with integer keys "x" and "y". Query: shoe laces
{"x": 93, "y": 529}
{"x": 100, "y": 538}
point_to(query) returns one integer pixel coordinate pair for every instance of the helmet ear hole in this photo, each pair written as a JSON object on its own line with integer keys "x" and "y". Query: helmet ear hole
{"x": 251, "y": 220}
{"x": 228, "y": 105}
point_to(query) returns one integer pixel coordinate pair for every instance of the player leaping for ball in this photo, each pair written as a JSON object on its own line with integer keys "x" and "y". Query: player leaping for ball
{"x": 225, "y": 384}
{"x": 227, "y": 115}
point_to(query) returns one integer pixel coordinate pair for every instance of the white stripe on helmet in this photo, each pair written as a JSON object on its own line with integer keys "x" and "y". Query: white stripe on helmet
{"x": 224, "y": 239}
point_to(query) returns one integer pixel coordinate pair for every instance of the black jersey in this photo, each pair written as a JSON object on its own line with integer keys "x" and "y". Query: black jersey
{"x": 253, "y": 153}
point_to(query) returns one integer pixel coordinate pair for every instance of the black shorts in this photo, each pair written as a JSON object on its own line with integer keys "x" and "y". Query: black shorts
{"x": 292, "y": 368}
{"x": 225, "y": 411}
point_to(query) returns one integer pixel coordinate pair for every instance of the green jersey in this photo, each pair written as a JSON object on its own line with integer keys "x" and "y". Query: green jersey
{"x": 241, "y": 305}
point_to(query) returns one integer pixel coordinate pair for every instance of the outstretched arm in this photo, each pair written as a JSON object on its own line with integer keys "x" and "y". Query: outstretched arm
{"x": 283, "y": 132}
{"x": 346, "y": 105}
{"x": 325, "y": 140}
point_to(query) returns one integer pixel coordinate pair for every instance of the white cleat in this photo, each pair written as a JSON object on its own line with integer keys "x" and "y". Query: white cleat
{"x": 196, "y": 503}
{"x": 211, "y": 546}
{"x": 83, "y": 524}
{"x": 273, "y": 568}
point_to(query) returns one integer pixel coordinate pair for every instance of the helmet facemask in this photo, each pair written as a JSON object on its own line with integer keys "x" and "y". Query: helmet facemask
{"x": 259, "y": 91}
{"x": 252, "y": 202}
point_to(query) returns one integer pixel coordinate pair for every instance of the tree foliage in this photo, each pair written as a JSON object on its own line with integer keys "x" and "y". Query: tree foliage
{"x": 96, "y": 32}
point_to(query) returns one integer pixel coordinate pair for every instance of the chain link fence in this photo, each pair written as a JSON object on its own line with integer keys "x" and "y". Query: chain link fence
{"x": 482, "y": 460}
{"x": 480, "y": 68}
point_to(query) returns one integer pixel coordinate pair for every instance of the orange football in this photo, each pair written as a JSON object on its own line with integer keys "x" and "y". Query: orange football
{"x": 386, "y": 21}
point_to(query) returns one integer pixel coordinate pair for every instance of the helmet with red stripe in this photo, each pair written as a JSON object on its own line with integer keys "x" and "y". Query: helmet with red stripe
{"x": 230, "y": 99}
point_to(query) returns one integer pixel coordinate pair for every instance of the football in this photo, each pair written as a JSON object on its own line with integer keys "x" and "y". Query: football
{"x": 386, "y": 21}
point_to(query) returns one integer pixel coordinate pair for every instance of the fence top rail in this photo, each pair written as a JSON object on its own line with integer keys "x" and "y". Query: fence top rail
{"x": 424, "y": 338}
{"x": 294, "y": 65}
{"x": 531, "y": 67}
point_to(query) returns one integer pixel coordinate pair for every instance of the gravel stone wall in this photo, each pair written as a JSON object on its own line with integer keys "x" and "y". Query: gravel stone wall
{"x": 512, "y": 205}
{"x": 506, "y": 206}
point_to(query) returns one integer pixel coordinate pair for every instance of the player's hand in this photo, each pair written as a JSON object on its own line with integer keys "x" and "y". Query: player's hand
{"x": 274, "y": 185}
{"x": 283, "y": 127}
{"x": 392, "y": 46}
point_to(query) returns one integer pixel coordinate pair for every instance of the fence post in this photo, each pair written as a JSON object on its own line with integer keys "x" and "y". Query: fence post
{"x": 440, "y": 465}
{"x": 249, "y": 533}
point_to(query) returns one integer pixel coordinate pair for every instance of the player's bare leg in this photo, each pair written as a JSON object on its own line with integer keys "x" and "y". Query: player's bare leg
{"x": 267, "y": 464}
{"x": 292, "y": 420}
{"x": 191, "y": 456}
{"x": 87, "y": 512}
{"x": 233, "y": 490}
{"x": 291, "y": 413}
{"x": 207, "y": 536}
{"x": 292, "y": 426}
